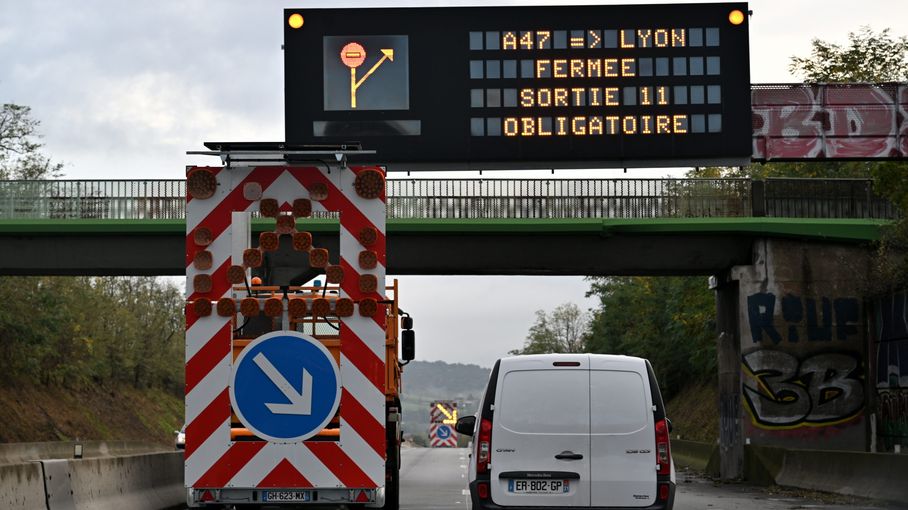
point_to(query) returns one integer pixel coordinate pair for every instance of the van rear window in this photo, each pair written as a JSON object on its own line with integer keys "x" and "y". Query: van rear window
{"x": 618, "y": 402}
{"x": 545, "y": 402}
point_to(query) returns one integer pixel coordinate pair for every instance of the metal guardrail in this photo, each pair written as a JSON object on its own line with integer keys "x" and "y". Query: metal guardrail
{"x": 824, "y": 198}
{"x": 93, "y": 199}
{"x": 487, "y": 198}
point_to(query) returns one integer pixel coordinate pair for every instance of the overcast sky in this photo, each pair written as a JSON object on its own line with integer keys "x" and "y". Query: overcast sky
{"x": 123, "y": 89}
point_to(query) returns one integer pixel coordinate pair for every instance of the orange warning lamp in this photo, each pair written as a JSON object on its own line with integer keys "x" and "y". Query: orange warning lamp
{"x": 736, "y": 17}
{"x": 295, "y": 20}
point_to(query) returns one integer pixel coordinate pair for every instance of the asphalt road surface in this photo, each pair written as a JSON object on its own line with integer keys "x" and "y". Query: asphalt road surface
{"x": 434, "y": 479}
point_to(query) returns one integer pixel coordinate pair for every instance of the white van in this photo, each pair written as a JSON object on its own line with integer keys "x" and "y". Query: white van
{"x": 571, "y": 430}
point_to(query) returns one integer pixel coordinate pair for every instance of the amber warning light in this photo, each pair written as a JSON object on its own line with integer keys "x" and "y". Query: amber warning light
{"x": 736, "y": 17}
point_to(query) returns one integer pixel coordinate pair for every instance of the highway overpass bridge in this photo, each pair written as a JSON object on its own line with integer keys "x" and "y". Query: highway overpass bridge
{"x": 790, "y": 259}
{"x": 460, "y": 226}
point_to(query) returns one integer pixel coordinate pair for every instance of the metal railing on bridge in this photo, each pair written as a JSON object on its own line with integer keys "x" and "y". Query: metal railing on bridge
{"x": 487, "y": 198}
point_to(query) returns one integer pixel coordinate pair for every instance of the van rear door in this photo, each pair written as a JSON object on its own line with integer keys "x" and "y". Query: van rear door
{"x": 540, "y": 432}
{"x": 622, "y": 434}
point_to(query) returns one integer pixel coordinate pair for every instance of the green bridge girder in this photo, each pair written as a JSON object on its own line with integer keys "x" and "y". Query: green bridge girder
{"x": 814, "y": 229}
{"x": 586, "y": 247}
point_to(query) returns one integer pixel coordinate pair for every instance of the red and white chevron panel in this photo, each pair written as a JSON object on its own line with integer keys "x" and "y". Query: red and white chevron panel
{"x": 212, "y": 460}
{"x": 435, "y": 441}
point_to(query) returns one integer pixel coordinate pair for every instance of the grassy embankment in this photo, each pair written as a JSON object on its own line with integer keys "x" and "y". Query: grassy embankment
{"x": 30, "y": 413}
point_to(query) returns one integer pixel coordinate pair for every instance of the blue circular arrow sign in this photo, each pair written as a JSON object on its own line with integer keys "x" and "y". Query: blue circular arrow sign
{"x": 443, "y": 432}
{"x": 285, "y": 386}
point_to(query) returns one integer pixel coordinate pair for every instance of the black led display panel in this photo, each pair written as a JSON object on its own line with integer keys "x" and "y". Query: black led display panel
{"x": 589, "y": 86}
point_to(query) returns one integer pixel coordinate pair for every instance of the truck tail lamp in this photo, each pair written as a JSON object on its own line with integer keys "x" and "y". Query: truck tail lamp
{"x": 202, "y": 307}
{"x": 297, "y": 308}
{"x": 226, "y": 307}
{"x": 343, "y": 307}
{"x": 274, "y": 307}
{"x": 321, "y": 307}
{"x": 249, "y": 307}
{"x": 201, "y": 183}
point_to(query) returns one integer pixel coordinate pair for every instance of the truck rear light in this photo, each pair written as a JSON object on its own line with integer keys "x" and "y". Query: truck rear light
{"x": 249, "y": 307}
{"x": 663, "y": 492}
{"x": 484, "y": 446}
{"x": 201, "y": 183}
{"x": 663, "y": 449}
{"x": 201, "y": 307}
{"x": 285, "y": 224}
{"x": 226, "y": 307}
{"x": 321, "y": 307}
{"x": 297, "y": 308}
{"x": 482, "y": 490}
{"x": 274, "y": 307}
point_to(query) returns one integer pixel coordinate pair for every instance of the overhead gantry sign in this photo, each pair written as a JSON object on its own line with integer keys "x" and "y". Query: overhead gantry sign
{"x": 523, "y": 87}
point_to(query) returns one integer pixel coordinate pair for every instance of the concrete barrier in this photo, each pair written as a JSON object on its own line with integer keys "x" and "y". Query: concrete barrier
{"x": 16, "y": 453}
{"x": 22, "y": 486}
{"x": 150, "y": 481}
{"x": 696, "y": 455}
{"x": 868, "y": 475}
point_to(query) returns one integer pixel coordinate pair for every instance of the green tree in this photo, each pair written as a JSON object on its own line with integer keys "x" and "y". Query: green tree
{"x": 20, "y": 150}
{"x": 563, "y": 330}
{"x": 79, "y": 331}
{"x": 668, "y": 320}
{"x": 867, "y": 57}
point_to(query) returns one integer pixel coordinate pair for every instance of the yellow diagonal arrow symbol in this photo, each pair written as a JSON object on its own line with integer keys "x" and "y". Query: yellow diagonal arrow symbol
{"x": 387, "y": 54}
{"x": 442, "y": 409}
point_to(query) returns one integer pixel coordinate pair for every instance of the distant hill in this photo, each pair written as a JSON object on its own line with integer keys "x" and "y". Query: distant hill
{"x": 425, "y": 381}
{"x": 444, "y": 379}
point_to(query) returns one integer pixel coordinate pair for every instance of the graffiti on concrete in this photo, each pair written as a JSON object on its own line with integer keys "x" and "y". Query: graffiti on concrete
{"x": 825, "y": 318}
{"x": 893, "y": 418}
{"x": 830, "y": 121}
{"x": 892, "y": 369}
{"x": 781, "y": 391}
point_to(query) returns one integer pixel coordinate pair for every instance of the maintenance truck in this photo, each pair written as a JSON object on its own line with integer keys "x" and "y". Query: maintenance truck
{"x": 292, "y": 385}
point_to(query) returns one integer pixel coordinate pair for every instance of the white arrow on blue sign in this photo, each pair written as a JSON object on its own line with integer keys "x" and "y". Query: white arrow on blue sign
{"x": 285, "y": 386}
{"x": 443, "y": 432}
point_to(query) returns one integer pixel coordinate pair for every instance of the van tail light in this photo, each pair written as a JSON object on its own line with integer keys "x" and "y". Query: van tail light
{"x": 482, "y": 490}
{"x": 663, "y": 491}
{"x": 484, "y": 446}
{"x": 663, "y": 450}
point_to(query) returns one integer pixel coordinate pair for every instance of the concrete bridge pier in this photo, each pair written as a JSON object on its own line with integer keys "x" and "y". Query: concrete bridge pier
{"x": 793, "y": 358}
{"x": 728, "y": 352}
